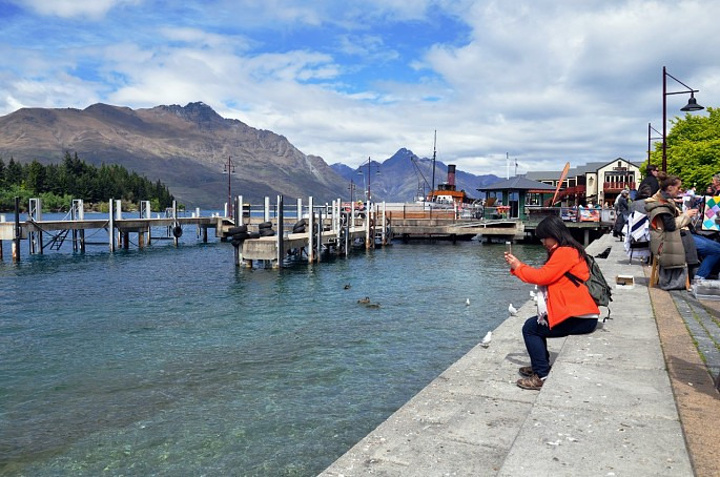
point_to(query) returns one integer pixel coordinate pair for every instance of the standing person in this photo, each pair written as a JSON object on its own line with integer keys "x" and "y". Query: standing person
{"x": 622, "y": 210}
{"x": 567, "y": 310}
{"x": 666, "y": 240}
{"x": 651, "y": 179}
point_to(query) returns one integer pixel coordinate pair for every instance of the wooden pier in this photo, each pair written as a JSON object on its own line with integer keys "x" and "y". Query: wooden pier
{"x": 333, "y": 231}
{"x": 327, "y": 229}
{"x": 41, "y": 234}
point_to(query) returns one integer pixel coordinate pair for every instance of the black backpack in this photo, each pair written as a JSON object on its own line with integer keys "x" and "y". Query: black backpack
{"x": 596, "y": 284}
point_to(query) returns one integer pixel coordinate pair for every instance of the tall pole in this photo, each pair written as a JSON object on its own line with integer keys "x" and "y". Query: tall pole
{"x": 691, "y": 106}
{"x": 650, "y": 138}
{"x": 368, "y": 173}
{"x": 229, "y": 168}
{"x": 664, "y": 133}
{"x": 432, "y": 190}
{"x": 648, "y": 148}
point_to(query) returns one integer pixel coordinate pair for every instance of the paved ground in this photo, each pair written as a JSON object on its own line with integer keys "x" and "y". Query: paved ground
{"x": 614, "y": 404}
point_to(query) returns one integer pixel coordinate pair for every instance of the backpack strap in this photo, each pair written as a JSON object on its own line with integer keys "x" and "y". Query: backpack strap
{"x": 573, "y": 278}
{"x": 576, "y": 281}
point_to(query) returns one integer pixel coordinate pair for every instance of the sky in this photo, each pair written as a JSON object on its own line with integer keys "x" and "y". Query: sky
{"x": 533, "y": 82}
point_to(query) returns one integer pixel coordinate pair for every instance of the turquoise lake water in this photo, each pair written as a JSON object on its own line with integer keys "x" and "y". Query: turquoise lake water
{"x": 172, "y": 361}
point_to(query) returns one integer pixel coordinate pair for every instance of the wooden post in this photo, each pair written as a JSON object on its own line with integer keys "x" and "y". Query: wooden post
{"x": 383, "y": 225}
{"x": 280, "y": 233}
{"x": 18, "y": 233}
{"x": 311, "y": 231}
{"x": 368, "y": 228}
{"x": 318, "y": 246}
{"x": 111, "y": 224}
{"x": 176, "y": 239}
{"x": 267, "y": 209}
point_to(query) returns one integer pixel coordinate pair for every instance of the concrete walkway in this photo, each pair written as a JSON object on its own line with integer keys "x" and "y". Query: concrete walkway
{"x": 607, "y": 408}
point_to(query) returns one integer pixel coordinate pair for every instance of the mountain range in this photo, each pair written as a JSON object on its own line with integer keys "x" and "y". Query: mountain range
{"x": 191, "y": 149}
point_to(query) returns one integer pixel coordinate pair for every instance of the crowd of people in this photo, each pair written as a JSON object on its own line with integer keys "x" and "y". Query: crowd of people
{"x": 683, "y": 249}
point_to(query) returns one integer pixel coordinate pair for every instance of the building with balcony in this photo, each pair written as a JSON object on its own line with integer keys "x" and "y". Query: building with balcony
{"x": 592, "y": 183}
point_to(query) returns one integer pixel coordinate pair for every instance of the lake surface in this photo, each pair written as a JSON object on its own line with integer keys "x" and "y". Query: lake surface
{"x": 172, "y": 361}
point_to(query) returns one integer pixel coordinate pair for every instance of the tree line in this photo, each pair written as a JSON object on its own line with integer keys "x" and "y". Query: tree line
{"x": 693, "y": 148}
{"x": 58, "y": 184}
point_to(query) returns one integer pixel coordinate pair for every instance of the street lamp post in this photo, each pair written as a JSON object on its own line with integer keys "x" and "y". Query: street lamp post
{"x": 369, "y": 175}
{"x": 230, "y": 169}
{"x": 651, "y": 138}
{"x": 691, "y": 106}
{"x": 351, "y": 188}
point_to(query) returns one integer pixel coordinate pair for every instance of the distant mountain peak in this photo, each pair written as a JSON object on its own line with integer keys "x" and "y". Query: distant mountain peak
{"x": 197, "y": 112}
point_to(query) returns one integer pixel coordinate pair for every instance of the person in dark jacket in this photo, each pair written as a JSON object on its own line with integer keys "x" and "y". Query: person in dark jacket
{"x": 651, "y": 179}
{"x": 622, "y": 211}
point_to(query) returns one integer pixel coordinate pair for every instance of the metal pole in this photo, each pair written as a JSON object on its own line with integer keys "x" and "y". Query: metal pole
{"x": 369, "y": 197}
{"x": 648, "y": 149}
{"x": 230, "y": 168}
{"x": 664, "y": 111}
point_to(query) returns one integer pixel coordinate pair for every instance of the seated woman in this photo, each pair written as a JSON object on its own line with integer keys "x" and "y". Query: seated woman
{"x": 666, "y": 242}
{"x": 569, "y": 310}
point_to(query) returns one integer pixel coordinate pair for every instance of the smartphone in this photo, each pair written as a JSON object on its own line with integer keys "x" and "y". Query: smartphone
{"x": 508, "y": 247}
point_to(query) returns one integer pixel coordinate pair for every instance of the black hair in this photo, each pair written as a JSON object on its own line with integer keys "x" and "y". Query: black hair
{"x": 552, "y": 226}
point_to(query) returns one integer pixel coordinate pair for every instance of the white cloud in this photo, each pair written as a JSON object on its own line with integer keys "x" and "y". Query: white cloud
{"x": 74, "y": 8}
{"x": 546, "y": 81}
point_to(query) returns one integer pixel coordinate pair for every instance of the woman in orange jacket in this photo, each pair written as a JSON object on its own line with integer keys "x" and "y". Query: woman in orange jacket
{"x": 563, "y": 308}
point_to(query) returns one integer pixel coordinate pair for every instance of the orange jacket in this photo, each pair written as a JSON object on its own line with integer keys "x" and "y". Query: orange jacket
{"x": 564, "y": 298}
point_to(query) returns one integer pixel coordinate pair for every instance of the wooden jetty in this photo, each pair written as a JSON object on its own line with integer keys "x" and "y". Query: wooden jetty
{"x": 41, "y": 234}
{"x": 327, "y": 229}
{"x": 415, "y": 221}
{"x": 333, "y": 230}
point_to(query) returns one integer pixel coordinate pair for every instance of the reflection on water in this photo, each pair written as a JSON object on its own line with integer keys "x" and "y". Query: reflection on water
{"x": 169, "y": 362}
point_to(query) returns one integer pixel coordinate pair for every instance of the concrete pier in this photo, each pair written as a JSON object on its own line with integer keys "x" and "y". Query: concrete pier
{"x": 608, "y": 407}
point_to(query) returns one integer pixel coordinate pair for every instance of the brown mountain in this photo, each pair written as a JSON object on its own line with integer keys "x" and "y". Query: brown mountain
{"x": 186, "y": 148}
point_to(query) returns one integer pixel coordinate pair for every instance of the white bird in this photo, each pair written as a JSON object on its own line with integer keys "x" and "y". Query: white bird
{"x": 513, "y": 311}
{"x": 486, "y": 340}
{"x": 467, "y": 302}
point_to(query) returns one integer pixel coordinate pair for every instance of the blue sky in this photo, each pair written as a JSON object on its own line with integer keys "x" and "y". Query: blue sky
{"x": 545, "y": 81}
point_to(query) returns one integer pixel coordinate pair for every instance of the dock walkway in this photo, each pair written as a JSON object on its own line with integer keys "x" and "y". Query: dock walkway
{"x": 612, "y": 405}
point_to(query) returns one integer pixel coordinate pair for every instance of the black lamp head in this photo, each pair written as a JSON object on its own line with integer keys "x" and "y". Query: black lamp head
{"x": 692, "y": 104}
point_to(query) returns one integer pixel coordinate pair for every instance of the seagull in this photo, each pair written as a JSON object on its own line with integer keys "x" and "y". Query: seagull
{"x": 513, "y": 311}
{"x": 486, "y": 340}
{"x": 467, "y": 302}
